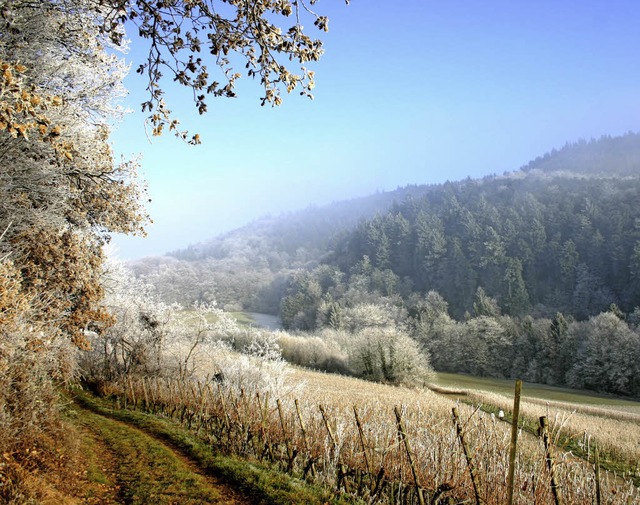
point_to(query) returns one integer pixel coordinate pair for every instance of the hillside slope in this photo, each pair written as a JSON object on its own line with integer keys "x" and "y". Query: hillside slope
{"x": 607, "y": 156}
{"x": 561, "y": 234}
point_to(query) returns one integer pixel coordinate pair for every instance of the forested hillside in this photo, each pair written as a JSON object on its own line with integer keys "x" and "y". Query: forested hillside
{"x": 533, "y": 274}
{"x": 535, "y": 243}
{"x": 607, "y": 156}
{"x": 311, "y": 229}
{"x": 561, "y": 234}
{"x": 248, "y": 268}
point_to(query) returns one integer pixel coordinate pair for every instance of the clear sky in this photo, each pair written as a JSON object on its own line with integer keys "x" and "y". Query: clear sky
{"x": 408, "y": 92}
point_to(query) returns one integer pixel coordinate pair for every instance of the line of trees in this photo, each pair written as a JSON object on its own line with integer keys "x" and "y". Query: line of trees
{"x": 601, "y": 352}
{"x": 62, "y": 193}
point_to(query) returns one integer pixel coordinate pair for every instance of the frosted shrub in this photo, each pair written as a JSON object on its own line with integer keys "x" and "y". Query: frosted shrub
{"x": 388, "y": 355}
{"x": 32, "y": 366}
{"x": 151, "y": 338}
{"x": 264, "y": 346}
{"x": 251, "y": 374}
{"x": 368, "y": 315}
{"x": 385, "y": 354}
{"x": 201, "y": 350}
{"x": 238, "y": 337}
{"x": 320, "y": 351}
{"x": 135, "y": 342}
{"x": 195, "y": 335}
{"x": 35, "y": 359}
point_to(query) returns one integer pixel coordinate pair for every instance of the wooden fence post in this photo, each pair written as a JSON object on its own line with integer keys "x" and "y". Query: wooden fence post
{"x": 263, "y": 425}
{"x": 341, "y": 468}
{"x": 407, "y": 447}
{"x": 125, "y": 400}
{"x": 328, "y": 427}
{"x": 302, "y": 426}
{"x": 363, "y": 442}
{"x": 239, "y": 424}
{"x": 146, "y": 396}
{"x": 311, "y": 466}
{"x": 555, "y": 488}
{"x": 514, "y": 442}
{"x": 202, "y": 403}
{"x": 227, "y": 419}
{"x": 290, "y": 452}
{"x": 153, "y": 386}
{"x": 133, "y": 395}
{"x": 467, "y": 454}
{"x": 597, "y": 470}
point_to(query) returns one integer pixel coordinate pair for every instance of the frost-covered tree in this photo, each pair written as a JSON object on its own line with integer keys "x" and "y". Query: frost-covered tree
{"x": 484, "y": 305}
{"x": 388, "y": 355}
{"x": 372, "y": 315}
{"x": 609, "y": 357}
{"x": 485, "y": 348}
{"x": 62, "y": 185}
{"x": 62, "y": 192}
{"x": 436, "y": 331}
{"x": 188, "y": 39}
{"x": 136, "y": 340}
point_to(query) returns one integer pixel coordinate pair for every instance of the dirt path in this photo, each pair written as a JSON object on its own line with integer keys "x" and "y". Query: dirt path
{"x": 125, "y": 465}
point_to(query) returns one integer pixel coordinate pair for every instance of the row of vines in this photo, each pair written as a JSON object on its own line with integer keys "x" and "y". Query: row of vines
{"x": 410, "y": 454}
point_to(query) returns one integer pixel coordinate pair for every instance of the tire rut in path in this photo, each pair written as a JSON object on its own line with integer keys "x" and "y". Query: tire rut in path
{"x": 149, "y": 469}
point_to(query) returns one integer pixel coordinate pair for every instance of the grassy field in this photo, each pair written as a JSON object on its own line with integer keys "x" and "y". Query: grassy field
{"x": 242, "y": 318}
{"x": 583, "y": 420}
{"x": 530, "y": 390}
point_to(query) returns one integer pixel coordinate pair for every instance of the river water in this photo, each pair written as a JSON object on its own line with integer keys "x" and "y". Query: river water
{"x": 267, "y": 321}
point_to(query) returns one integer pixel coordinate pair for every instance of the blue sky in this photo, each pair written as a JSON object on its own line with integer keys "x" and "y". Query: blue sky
{"x": 408, "y": 92}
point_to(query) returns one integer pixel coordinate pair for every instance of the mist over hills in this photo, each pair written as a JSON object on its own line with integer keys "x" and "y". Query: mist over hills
{"x": 312, "y": 228}
{"x": 605, "y": 157}
{"x": 560, "y": 234}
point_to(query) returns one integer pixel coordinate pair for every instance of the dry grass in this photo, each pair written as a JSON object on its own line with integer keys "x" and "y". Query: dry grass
{"x": 612, "y": 428}
{"x": 581, "y": 428}
{"x": 255, "y": 426}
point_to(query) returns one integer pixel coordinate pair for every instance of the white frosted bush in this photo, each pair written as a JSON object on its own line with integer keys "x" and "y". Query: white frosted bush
{"x": 238, "y": 372}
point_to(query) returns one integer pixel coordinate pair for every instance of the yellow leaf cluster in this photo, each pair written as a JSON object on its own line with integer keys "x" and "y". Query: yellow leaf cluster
{"x": 23, "y": 110}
